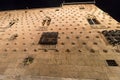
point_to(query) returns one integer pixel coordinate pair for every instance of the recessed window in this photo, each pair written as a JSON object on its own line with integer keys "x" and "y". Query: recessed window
{"x": 93, "y": 21}
{"x": 96, "y": 21}
{"x": 112, "y": 36}
{"x": 49, "y": 38}
{"x": 90, "y": 21}
{"x": 111, "y": 63}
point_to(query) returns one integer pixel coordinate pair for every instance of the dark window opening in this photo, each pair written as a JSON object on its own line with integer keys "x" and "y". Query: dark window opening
{"x": 96, "y": 21}
{"x": 111, "y": 63}
{"x": 93, "y": 21}
{"x": 90, "y": 21}
{"x": 49, "y": 38}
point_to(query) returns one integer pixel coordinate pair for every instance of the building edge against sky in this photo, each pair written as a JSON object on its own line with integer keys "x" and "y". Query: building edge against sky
{"x": 109, "y": 6}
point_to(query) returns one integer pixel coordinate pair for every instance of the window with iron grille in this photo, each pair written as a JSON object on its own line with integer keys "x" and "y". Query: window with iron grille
{"x": 48, "y": 38}
{"x": 93, "y": 21}
{"x": 111, "y": 63}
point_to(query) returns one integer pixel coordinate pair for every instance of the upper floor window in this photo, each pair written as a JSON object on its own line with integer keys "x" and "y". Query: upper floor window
{"x": 93, "y": 21}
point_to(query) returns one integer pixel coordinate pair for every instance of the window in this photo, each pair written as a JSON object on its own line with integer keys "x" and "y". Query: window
{"x": 112, "y": 36}
{"x": 49, "y": 38}
{"x": 93, "y": 21}
{"x": 96, "y": 21}
{"x": 111, "y": 63}
{"x": 90, "y": 21}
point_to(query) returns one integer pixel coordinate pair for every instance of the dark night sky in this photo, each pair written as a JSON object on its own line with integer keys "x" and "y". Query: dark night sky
{"x": 110, "y": 6}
